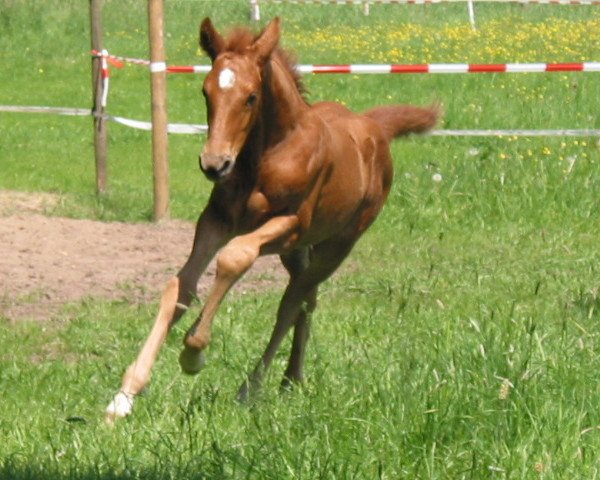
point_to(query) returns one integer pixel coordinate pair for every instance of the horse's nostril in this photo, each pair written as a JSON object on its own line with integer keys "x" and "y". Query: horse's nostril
{"x": 216, "y": 167}
{"x": 225, "y": 166}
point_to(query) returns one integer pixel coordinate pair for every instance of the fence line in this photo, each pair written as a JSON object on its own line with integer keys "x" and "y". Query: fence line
{"x": 382, "y": 69}
{"x": 390, "y": 68}
{"x": 420, "y": 2}
{"x": 196, "y": 129}
{"x": 79, "y": 112}
{"x": 366, "y": 4}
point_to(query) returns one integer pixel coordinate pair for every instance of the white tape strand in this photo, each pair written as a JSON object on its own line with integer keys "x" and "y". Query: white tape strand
{"x": 195, "y": 129}
{"x": 517, "y": 133}
{"x": 180, "y": 128}
{"x": 78, "y": 112}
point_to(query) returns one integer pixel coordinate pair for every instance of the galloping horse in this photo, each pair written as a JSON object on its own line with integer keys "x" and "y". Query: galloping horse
{"x": 298, "y": 180}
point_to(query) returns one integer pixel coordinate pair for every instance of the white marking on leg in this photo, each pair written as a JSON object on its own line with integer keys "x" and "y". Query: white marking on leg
{"x": 226, "y": 79}
{"x": 121, "y": 406}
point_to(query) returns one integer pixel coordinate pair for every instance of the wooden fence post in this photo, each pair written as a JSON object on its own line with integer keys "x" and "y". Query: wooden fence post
{"x": 100, "y": 125}
{"x": 158, "y": 78}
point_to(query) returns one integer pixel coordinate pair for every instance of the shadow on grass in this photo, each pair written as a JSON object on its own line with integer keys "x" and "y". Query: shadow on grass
{"x": 39, "y": 472}
{"x": 35, "y": 473}
{"x": 212, "y": 463}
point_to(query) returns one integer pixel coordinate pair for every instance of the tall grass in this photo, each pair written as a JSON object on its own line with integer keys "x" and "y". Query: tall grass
{"x": 460, "y": 339}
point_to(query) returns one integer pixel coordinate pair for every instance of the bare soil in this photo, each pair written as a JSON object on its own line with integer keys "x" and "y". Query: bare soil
{"x": 46, "y": 261}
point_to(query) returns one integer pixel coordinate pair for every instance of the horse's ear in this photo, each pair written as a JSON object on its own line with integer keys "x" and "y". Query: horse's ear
{"x": 210, "y": 40}
{"x": 266, "y": 42}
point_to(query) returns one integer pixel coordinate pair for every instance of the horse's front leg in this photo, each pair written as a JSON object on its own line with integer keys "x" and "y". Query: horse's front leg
{"x": 210, "y": 235}
{"x": 232, "y": 262}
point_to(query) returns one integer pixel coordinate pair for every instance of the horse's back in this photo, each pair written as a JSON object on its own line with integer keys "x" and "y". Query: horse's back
{"x": 359, "y": 145}
{"x": 333, "y": 168}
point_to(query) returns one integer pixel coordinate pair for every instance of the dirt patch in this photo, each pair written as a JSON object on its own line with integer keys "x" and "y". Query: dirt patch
{"x": 12, "y": 203}
{"x": 46, "y": 262}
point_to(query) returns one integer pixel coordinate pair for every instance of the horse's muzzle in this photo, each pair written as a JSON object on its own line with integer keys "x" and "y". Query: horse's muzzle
{"x": 216, "y": 167}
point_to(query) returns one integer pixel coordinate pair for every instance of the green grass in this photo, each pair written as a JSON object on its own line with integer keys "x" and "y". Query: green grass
{"x": 405, "y": 372}
{"x": 46, "y": 46}
{"x": 460, "y": 339}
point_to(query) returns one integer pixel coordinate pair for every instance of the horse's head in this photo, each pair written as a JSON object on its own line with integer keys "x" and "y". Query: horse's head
{"x": 233, "y": 93}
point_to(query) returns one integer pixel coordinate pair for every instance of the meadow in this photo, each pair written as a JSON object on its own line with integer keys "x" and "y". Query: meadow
{"x": 460, "y": 339}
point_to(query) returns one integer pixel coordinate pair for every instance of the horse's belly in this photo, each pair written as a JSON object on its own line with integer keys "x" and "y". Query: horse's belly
{"x": 338, "y": 208}
{"x": 355, "y": 183}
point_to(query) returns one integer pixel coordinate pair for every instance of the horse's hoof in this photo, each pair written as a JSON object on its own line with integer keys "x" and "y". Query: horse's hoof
{"x": 191, "y": 360}
{"x": 243, "y": 393}
{"x": 249, "y": 392}
{"x": 120, "y": 407}
{"x": 287, "y": 385}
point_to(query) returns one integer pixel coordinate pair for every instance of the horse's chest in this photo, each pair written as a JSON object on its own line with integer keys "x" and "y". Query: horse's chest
{"x": 284, "y": 184}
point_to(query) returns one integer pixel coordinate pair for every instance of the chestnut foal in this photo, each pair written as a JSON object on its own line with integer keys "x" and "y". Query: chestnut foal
{"x": 298, "y": 180}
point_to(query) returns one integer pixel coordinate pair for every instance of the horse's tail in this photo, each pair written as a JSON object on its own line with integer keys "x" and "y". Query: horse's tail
{"x": 397, "y": 120}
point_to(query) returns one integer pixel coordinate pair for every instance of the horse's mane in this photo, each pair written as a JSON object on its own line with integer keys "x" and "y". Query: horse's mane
{"x": 241, "y": 38}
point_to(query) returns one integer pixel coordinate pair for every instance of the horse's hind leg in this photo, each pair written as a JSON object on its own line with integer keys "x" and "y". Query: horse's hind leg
{"x": 175, "y": 300}
{"x": 287, "y": 314}
{"x": 294, "y": 371}
{"x": 296, "y": 263}
{"x": 300, "y": 294}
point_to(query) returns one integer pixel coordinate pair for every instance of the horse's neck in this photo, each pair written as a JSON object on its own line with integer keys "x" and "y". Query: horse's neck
{"x": 285, "y": 104}
{"x": 282, "y": 106}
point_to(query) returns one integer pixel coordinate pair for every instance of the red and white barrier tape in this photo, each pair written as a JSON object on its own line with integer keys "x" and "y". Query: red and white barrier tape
{"x": 188, "y": 68}
{"x": 454, "y": 68}
{"x": 366, "y": 4}
{"x": 105, "y": 78}
{"x": 424, "y": 68}
{"x": 398, "y": 67}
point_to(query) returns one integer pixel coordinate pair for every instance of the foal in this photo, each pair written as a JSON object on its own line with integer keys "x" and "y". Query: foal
{"x": 298, "y": 180}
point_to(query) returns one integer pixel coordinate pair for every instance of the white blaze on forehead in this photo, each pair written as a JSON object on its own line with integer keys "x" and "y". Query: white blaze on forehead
{"x": 226, "y": 78}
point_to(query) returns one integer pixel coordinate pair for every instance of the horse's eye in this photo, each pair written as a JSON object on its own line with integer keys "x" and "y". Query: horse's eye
{"x": 251, "y": 100}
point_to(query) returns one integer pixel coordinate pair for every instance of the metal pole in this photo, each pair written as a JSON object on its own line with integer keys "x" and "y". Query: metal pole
{"x": 471, "y": 10}
{"x": 254, "y": 10}
{"x": 158, "y": 79}
{"x": 100, "y": 126}
{"x": 366, "y": 6}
